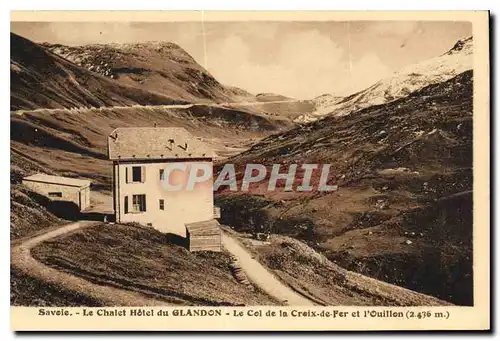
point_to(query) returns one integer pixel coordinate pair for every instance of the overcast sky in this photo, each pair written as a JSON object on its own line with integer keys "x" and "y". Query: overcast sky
{"x": 297, "y": 59}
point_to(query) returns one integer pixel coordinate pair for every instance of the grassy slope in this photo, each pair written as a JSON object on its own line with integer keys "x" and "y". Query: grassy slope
{"x": 29, "y": 291}
{"x": 28, "y": 214}
{"x": 162, "y": 67}
{"x": 41, "y": 79}
{"x": 167, "y": 69}
{"x": 145, "y": 260}
{"x": 28, "y": 217}
{"x": 404, "y": 172}
{"x": 313, "y": 275}
{"x": 73, "y": 143}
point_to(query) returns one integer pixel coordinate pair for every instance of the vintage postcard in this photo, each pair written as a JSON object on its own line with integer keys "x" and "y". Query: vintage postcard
{"x": 249, "y": 171}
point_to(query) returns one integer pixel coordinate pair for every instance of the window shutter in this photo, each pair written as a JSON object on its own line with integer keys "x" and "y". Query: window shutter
{"x": 129, "y": 174}
{"x": 126, "y": 204}
{"x": 144, "y": 202}
{"x": 143, "y": 174}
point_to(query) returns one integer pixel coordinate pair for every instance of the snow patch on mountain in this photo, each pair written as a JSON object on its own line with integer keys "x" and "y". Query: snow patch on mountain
{"x": 322, "y": 106}
{"x": 400, "y": 84}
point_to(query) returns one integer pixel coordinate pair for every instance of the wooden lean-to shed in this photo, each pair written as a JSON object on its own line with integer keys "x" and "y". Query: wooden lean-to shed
{"x": 204, "y": 236}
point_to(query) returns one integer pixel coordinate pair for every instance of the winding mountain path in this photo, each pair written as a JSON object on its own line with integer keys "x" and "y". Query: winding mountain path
{"x": 260, "y": 276}
{"x": 22, "y": 259}
{"x": 21, "y": 112}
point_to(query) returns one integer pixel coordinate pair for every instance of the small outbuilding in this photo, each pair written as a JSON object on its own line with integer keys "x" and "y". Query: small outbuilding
{"x": 204, "y": 236}
{"x": 59, "y": 188}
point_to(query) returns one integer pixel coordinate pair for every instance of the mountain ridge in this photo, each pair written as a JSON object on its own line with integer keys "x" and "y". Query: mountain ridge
{"x": 403, "y": 209}
{"x": 164, "y": 67}
{"x": 401, "y": 83}
{"x": 42, "y": 79}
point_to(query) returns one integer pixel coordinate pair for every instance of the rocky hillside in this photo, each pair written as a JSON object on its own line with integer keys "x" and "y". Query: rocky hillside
{"x": 64, "y": 113}
{"x": 321, "y": 104}
{"x": 401, "y": 83}
{"x": 162, "y": 67}
{"x": 326, "y": 283}
{"x": 73, "y": 142}
{"x": 326, "y": 100}
{"x": 403, "y": 211}
{"x": 76, "y": 107}
{"x": 41, "y": 79}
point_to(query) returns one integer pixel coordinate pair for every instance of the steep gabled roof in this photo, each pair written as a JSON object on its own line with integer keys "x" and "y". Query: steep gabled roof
{"x": 156, "y": 143}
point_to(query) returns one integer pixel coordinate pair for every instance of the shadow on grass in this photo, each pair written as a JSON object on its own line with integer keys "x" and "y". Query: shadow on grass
{"x": 176, "y": 240}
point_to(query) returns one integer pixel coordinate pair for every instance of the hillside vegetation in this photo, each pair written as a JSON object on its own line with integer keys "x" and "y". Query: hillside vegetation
{"x": 41, "y": 79}
{"x": 400, "y": 152}
{"x": 403, "y": 211}
{"x": 325, "y": 282}
{"x": 150, "y": 262}
{"x": 162, "y": 67}
{"x": 73, "y": 142}
{"x": 67, "y": 104}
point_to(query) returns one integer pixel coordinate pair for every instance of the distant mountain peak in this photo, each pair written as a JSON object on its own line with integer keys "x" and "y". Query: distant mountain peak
{"x": 400, "y": 84}
{"x": 464, "y": 45}
{"x": 159, "y": 66}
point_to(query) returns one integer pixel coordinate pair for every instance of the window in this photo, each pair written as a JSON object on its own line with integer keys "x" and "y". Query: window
{"x": 162, "y": 171}
{"x": 162, "y": 204}
{"x": 137, "y": 174}
{"x": 139, "y": 202}
{"x": 55, "y": 194}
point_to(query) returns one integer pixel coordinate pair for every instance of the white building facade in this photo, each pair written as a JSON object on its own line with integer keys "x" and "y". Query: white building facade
{"x": 151, "y": 171}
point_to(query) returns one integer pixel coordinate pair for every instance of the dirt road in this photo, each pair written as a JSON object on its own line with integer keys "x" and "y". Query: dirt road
{"x": 21, "y": 259}
{"x": 260, "y": 276}
{"x": 166, "y": 106}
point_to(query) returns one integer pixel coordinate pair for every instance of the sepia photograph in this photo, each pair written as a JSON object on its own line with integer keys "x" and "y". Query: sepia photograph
{"x": 215, "y": 162}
